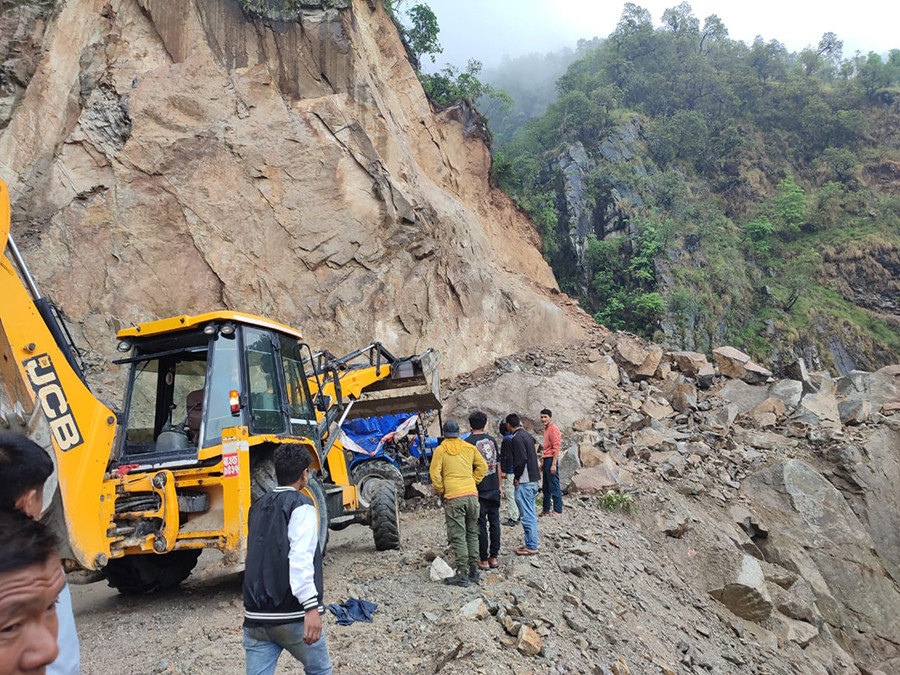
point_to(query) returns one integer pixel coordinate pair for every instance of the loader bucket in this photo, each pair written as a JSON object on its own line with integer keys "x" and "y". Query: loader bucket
{"x": 413, "y": 386}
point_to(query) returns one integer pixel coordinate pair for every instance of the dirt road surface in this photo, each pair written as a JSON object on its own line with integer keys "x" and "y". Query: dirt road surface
{"x": 599, "y": 591}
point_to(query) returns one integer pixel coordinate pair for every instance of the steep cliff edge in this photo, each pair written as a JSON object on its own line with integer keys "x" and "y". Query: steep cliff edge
{"x": 171, "y": 158}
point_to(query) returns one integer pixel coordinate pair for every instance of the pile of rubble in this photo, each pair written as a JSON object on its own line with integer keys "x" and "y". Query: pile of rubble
{"x": 776, "y": 498}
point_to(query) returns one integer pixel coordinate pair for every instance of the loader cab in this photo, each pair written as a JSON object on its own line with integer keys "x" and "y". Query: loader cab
{"x": 187, "y": 384}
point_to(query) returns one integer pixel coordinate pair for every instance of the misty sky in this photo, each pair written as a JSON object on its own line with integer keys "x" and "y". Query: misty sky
{"x": 490, "y": 29}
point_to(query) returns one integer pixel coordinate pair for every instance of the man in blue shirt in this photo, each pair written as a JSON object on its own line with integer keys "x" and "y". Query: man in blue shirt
{"x": 24, "y": 468}
{"x": 31, "y": 579}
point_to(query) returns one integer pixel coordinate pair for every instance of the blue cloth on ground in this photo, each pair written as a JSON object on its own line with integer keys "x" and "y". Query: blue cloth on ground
{"x": 353, "y": 610}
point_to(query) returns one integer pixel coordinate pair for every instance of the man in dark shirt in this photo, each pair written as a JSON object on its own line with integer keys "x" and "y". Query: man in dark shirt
{"x": 283, "y": 575}
{"x": 489, "y": 493}
{"x": 525, "y": 479}
{"x": 508, "y": 491}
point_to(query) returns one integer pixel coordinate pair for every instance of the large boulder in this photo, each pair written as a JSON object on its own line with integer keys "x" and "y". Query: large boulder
{"x": 855, "y": 412}
{"x": 604, "y": 369}
{"x": 569, "y": 463}
{"x": 596, "y": 479}
{"x": 736, "y": 364}
{"x": 638, "y": 361}
{"x": 746, "y": 594}
{"x": 788, "y": 392}
{"x": 873, "y": 471}
{"x": 745, "y": 396}
{"x": 689, "y": 363}
{"x": 526, "y": 394}
{"x": 819, "y": 409}
{"x": 879, "y": 388}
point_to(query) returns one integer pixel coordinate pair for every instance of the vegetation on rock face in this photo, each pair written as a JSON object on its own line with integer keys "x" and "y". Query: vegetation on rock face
{"x": 685, "y": 184}
{"x": 418, "y": 28}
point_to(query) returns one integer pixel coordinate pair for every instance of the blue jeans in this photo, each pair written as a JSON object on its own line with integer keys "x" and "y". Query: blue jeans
{"x": 525, "y": 494}
{"x": 552, "y": 491}
{"x": 263, "y": 646}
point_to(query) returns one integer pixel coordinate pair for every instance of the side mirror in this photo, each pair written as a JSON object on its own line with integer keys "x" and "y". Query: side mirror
{"x": 323, "y": 402}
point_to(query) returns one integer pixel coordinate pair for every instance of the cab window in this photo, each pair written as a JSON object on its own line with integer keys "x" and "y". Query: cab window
{"x": 224, "y": 377}
{"x": 303, "y": 417}
{"x": 266, "y": 416}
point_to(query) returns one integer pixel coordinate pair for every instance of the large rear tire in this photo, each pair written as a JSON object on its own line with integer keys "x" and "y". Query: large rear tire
{"x": 150, "y": 573}
{"x": 368, "y": 475}
{"x": 386, "y": 518}
{"x": 262, "y": 473}
{"x": 262, "y": 480}
{"x": 316, "y": 491}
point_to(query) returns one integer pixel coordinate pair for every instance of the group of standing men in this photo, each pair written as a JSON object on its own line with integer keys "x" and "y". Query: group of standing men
{"x": 475, "y": 479}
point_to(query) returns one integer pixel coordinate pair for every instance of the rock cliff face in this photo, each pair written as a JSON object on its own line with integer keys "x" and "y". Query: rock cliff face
{"x": 170, "y": 158}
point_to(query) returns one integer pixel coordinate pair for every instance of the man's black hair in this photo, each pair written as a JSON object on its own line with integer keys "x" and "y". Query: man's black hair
{"x": 291, "y": 460}
{"x": 23, "y": 542}
{"x": 513, "y": 421}
{"x": 546, "y": 411}
{"x": 477, "y": 420}
{"x": 501, "y": 427}
{"x": 24, "y": 466}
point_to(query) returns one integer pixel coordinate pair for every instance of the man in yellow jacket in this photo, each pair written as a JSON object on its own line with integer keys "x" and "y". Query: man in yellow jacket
{"x": 456, "y": 469}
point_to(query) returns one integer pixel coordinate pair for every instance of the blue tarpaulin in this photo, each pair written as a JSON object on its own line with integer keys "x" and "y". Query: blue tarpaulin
{"x": 368, "y": 432}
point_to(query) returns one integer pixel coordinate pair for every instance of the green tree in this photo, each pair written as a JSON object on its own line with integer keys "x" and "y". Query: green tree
{"x": 759, "y": 231}
{"x": 418, "y": 28}
{"x": 449, "y": 84}
{"x": 789, "y": 208}
{"x": 714, "y": 32}
{"x": 423, "y": 32}
{"x": 840, "y": 163}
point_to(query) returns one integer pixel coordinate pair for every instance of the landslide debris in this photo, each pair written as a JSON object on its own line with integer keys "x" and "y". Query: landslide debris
{"x": 750, "y": 533}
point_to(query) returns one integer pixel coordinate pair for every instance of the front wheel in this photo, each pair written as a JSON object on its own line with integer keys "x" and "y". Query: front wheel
{"x": 150, "y": 572}
{"x": 386, "y": 518}
{"x": 369, "y": 475}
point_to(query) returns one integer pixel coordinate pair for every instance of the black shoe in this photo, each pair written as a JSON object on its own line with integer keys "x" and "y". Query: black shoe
{"x": 457, "y": 580}
{"x": 509, "y": 522}
{"x": 474, "y": 576}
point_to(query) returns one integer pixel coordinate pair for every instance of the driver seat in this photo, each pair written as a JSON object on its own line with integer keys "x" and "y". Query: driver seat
{"x": 194, "y": 404}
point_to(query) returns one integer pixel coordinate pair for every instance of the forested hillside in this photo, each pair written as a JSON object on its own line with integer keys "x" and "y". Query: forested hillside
{"x": 699, "y": 191}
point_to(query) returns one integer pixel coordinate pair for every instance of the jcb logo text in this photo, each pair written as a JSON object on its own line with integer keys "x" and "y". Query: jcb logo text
{"x": 47, "y": 389}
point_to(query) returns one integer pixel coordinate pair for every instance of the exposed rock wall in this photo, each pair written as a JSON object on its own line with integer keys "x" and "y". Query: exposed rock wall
{"x": 175, "y": 158}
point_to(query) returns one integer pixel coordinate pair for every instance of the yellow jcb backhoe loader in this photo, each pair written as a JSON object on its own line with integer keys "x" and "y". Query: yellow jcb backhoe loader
{"x": 140, "y": 493}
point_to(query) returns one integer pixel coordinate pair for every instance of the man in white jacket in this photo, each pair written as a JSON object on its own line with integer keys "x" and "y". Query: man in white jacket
{"x": 283, "y": 573}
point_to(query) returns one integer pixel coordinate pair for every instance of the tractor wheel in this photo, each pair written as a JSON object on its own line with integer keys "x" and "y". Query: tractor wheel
{"x": 150, "y": 573}
{"x": 368, "y": 475}
{"x": 386, "y": 517}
